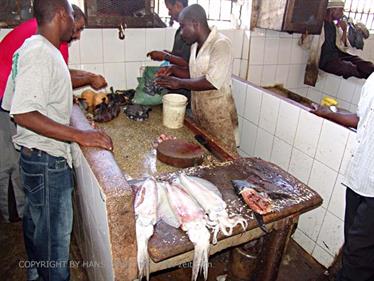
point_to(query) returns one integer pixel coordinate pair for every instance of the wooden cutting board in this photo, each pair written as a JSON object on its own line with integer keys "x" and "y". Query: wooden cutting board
{"x": 180, "y": 153}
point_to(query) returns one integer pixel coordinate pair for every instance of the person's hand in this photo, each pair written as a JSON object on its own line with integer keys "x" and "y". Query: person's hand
{"x": 320, "y": 110}
{"x": 304, "y": 36}
{"x": 157, "y": 55}
{"x": 165, "y": 71}
{"x": 95, "y": 138}
{"x": 169, "y": 82}
{"x": 97, "y": 82}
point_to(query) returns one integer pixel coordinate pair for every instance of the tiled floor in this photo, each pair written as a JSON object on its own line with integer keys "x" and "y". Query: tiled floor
{"x": 296, "y": 265}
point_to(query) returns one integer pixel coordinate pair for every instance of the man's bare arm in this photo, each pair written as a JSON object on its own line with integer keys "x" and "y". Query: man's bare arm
{"x": 37, "y": 122}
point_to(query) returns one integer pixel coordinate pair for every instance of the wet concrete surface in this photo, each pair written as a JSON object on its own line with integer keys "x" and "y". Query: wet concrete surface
{"x": 297, "y": 265}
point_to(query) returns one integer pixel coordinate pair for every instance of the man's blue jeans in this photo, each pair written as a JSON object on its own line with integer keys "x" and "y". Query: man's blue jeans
{"x": 48, "y": 215}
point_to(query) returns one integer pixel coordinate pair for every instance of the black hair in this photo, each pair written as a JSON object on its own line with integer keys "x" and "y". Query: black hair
{"x": 173, "y": 2}
{"x": 78, "y": 13}
{"x": 194, "y": 12}
{"x": 45, "y": 10}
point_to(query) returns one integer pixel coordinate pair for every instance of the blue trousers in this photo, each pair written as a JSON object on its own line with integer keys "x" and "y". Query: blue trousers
{"x": 358, "y": 249}
{"x": 48, "y": 214}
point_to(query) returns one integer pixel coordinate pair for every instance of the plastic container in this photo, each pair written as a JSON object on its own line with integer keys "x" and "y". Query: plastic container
{"x": 174, "y": 109}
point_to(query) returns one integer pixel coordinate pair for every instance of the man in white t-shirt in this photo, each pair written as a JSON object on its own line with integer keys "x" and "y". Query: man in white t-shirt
{"x": 40, "y": 99}
{"x": 358, "y": 249}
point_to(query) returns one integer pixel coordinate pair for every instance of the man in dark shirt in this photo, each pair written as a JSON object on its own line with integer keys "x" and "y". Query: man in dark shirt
{"x": 334, "y": 59}
{"x": 180, "y": 55}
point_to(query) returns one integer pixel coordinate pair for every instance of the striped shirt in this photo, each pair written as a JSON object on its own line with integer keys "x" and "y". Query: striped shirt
{"x": 360, "y": 172}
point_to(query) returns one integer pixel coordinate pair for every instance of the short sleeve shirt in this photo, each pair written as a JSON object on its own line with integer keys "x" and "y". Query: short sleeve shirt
{"x": 11, "y": 42}
{"x": 40, "y": 81}
{"x": 180, "y": 47}
{"x": 214, "y": 61}
{"x": 360, "y": 171}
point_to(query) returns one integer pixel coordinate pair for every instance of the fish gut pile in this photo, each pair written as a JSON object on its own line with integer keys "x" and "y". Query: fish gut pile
{"x": 191, "y": 203}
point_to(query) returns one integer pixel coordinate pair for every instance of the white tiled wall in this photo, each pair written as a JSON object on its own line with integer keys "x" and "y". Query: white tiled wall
{"x": 276, "y": 58}
{"x": 94, "y": 241}
{"x": 100, "y": 51}
{"x": 312, "y": 149}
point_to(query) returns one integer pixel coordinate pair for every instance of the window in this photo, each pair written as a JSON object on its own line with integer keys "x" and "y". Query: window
{"x": 79, "y": 3}
{"x": 361, "y": 11}
{"x": 224, "y": 13}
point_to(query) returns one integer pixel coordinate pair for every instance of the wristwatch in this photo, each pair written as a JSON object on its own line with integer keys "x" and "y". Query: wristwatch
{"x": 167, "y": 57}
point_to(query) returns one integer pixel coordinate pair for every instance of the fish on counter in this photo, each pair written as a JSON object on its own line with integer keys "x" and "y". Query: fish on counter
{"x": 192, "y": 219}
{"x": 210, "y": 199}
{"x": 257, "y": 199}
{"x": 145, "y": 205}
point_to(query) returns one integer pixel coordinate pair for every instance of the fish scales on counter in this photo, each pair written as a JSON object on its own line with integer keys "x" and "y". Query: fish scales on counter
{"x": 192, "y": 219}
{"x": 145, "y": 205}
{"x": 210, "y": 199}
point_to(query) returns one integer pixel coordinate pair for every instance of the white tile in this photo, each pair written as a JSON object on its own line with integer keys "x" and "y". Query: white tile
{"x": 97, "y": 68}
{"x": 271, "y": 50}
{"x": 298, "y": 54}
{"x": 304, "y": 241}
{"x": 348, "y": 152}
{"x": 242, "y": 153}
{"x": 300, "y": 165}
{"x": 331, "y": 237}
{"x": 332, "y": 144}
{"x": 281, "y": 75}
{"x": 74, "y": 53}
{"x": 323, "y": 257}
{"x": 310, "y": 223}
{"x": 132, "y": 72}
{"x": 353, "y": 108}
{"x": 255, "y": 74}
{"x": 321, "y": 81}
{"x": 236, "y": 67}
{"x": 258, "y": 32}
{"x": 315, "y": 95}
{"x": 272, "y": 33}
{"x": 308, "y": 132}
{"x": 337, "y": 202}
{"x": 239, "y": 91}
{"x": 115, "y": 75}
{"x": 332, "y": 85}
{"x": 135, "y": 44}
{"x": 288, "y": 120}
{"x": 281, "y": 154}
{"x": 322, "y": 180}
{"x": 269, "y": 112}
{"x": 346, "y": 90}
{"x": 155, "y": 39}
{"x": 268, "y": 75}
{"x": 256, "y": 55}
{"x": 243, "y": 69}
{"x": 264, "y": 144}
{"x": 237, "y": 43}
{"x": 253, "y": 104}
{"x": 248, "y": 138}
{"x": 246, "y": 44}
{"x": 91, "y": 46}
{"x": 357, "y": 95}
{"x": 296, "y": 76}
{"x": 285, "y": 50}
{"x": 303, "y": 91}
{"x": 343, "y": 104}
{"x": 114, "y": 48}
{"x": 4, "y": 32}
{"x": 169, "y": 38}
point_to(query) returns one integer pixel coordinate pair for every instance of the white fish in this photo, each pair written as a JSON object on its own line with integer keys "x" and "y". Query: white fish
{"x": 192, "y": 220}
{"x": 146, "y": 217}
{"x": 164, "y": 210}
{"x": 210, "y": 199}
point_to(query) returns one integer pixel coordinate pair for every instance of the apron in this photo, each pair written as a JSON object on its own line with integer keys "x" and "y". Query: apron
{"x": 216, "y": 113}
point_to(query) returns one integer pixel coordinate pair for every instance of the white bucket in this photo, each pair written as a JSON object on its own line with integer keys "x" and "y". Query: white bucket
{"x": 174, "y": 108}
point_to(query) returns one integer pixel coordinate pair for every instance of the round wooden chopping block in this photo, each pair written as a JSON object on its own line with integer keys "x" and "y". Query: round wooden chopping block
{"x": 180, "y": 153}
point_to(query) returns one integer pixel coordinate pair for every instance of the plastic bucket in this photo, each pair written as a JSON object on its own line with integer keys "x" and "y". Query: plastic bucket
{"x": 174, "y": 108}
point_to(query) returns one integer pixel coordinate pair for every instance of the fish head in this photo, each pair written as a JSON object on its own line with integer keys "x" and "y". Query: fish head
{"x": 240, "y": 185}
